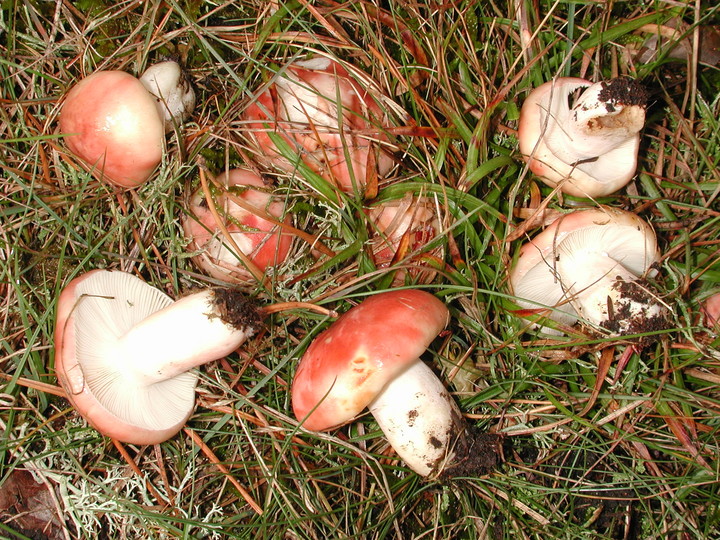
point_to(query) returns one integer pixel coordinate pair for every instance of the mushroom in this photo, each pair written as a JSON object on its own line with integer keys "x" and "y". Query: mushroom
{"x": 324, "y": 115}
{"x": 124, "y": 350}
{"x": 241, "y": 209}
{"x": 590, "y": 264}
{"x": 711, "y": 310}
{"x": 401, "y": 229}
{"x": 370, "y": 357}
{"x": 116, "y": 123}
{"x": 174, "y": 96}
{"x": 588, "y": 147}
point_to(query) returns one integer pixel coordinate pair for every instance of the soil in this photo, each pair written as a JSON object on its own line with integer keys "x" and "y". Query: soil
{"x": 237, "y": 310}
{"x": 476, "y": 454}
{"x": 623, "y": 91}
{"x": 623, "y": 319}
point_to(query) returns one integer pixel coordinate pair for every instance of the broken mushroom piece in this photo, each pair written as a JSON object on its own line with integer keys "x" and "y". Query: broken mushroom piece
{"x": 116, "y": 123}
{"x": 400, "y": 231}
{"x": 711, "y": 311}
{"x": 590, "y": 265}
{"x": 250, "y": 215}
{"x": 124, "y": 350}
{"x": 325, "y": 117}
{"x": 588, "y": 146}
{"x": 370, "y": 357}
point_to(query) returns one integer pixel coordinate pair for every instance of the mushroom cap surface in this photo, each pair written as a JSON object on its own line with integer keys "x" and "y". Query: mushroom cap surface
{"x": 400, "y": 231}
{"x": 711, "y": 311}
{"x": 111, "y": 122}
{"x": 327, "y": 118}
{"x": 261, "y": 240}
{"x": 94, "y": 311}
{"x": 350, "y": 363}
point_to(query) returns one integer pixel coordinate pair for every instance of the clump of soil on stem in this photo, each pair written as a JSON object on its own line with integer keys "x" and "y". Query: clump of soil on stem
{"x": 237, "y": 310}
{"x": 476, "y": 454}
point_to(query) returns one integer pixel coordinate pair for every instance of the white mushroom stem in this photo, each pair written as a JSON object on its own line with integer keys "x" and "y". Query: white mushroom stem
{"x": 596, "y": 295}
{"x": 600, "y": 288}
{"x": 188, "y": 333}
{"x": 594, "y": 126}
{"x": 419, "y": 419}
{"x": 175, "y": 98}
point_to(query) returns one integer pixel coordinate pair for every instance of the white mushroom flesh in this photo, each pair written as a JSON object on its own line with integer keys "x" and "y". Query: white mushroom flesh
{"x": 593, "y": 273}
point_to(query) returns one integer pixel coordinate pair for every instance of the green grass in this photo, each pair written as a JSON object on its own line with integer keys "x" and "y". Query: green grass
{"x": 641, "y": 462}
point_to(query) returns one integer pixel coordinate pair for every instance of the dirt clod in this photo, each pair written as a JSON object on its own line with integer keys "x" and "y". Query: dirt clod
{"x": 623, "y": 91}
{"x": 237, "y": 310}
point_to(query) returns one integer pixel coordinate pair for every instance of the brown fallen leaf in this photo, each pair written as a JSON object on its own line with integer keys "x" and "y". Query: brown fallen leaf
{"x": 28, "y": 507}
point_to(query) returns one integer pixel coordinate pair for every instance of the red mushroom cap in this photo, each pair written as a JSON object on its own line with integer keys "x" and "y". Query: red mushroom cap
{"x": 349, "y": 364}
{"x": 111, "y": 122}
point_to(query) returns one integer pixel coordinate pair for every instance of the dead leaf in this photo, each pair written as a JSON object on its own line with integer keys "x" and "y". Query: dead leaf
{"x": 28, "y": 507}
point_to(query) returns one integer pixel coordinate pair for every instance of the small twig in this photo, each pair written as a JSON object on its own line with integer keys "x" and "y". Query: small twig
{"x": 287, "y": 306}
{"x": 36, "y": 385}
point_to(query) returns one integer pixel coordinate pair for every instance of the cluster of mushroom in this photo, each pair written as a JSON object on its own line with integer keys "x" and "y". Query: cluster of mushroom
{"x": 582, "y": 139}
{"x": 110, "y": 324}
{"x": 316, "y": 121}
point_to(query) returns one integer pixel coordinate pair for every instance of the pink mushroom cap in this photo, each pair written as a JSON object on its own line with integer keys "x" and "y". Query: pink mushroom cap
{"x": 324, "y": 114}
{"x": 262, "y": 240}
{"x": 111, "y": 122}
{"x": 711, "y": 310}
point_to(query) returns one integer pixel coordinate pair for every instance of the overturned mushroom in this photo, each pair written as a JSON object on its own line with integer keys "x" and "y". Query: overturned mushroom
{"x": 124, "y": 350}
{"x": 326, "y": 118}
{"x": 590, "y": 265}
{"x": 370, "y": 357}
{"x": 588, "y": 147}
{"x": 116, "y": 123}
{"x": 401, "y": 229}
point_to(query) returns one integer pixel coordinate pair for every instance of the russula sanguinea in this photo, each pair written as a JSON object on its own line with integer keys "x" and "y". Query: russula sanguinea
{"x": 124, "y": 350}
{"x": 116, "y": 123}
{"x": 588, "y": 144}
{"x": 400, "y": 230}
{"x": 240, "y": 207}
{"x": 711, "y": 310}
{"x": 590, "y": 265}
{"x": 370, "y": 357}
{"x": 327, "y": 119}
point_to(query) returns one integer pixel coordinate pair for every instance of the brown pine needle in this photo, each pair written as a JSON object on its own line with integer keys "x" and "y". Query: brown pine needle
{"x": 213, "y": 458}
